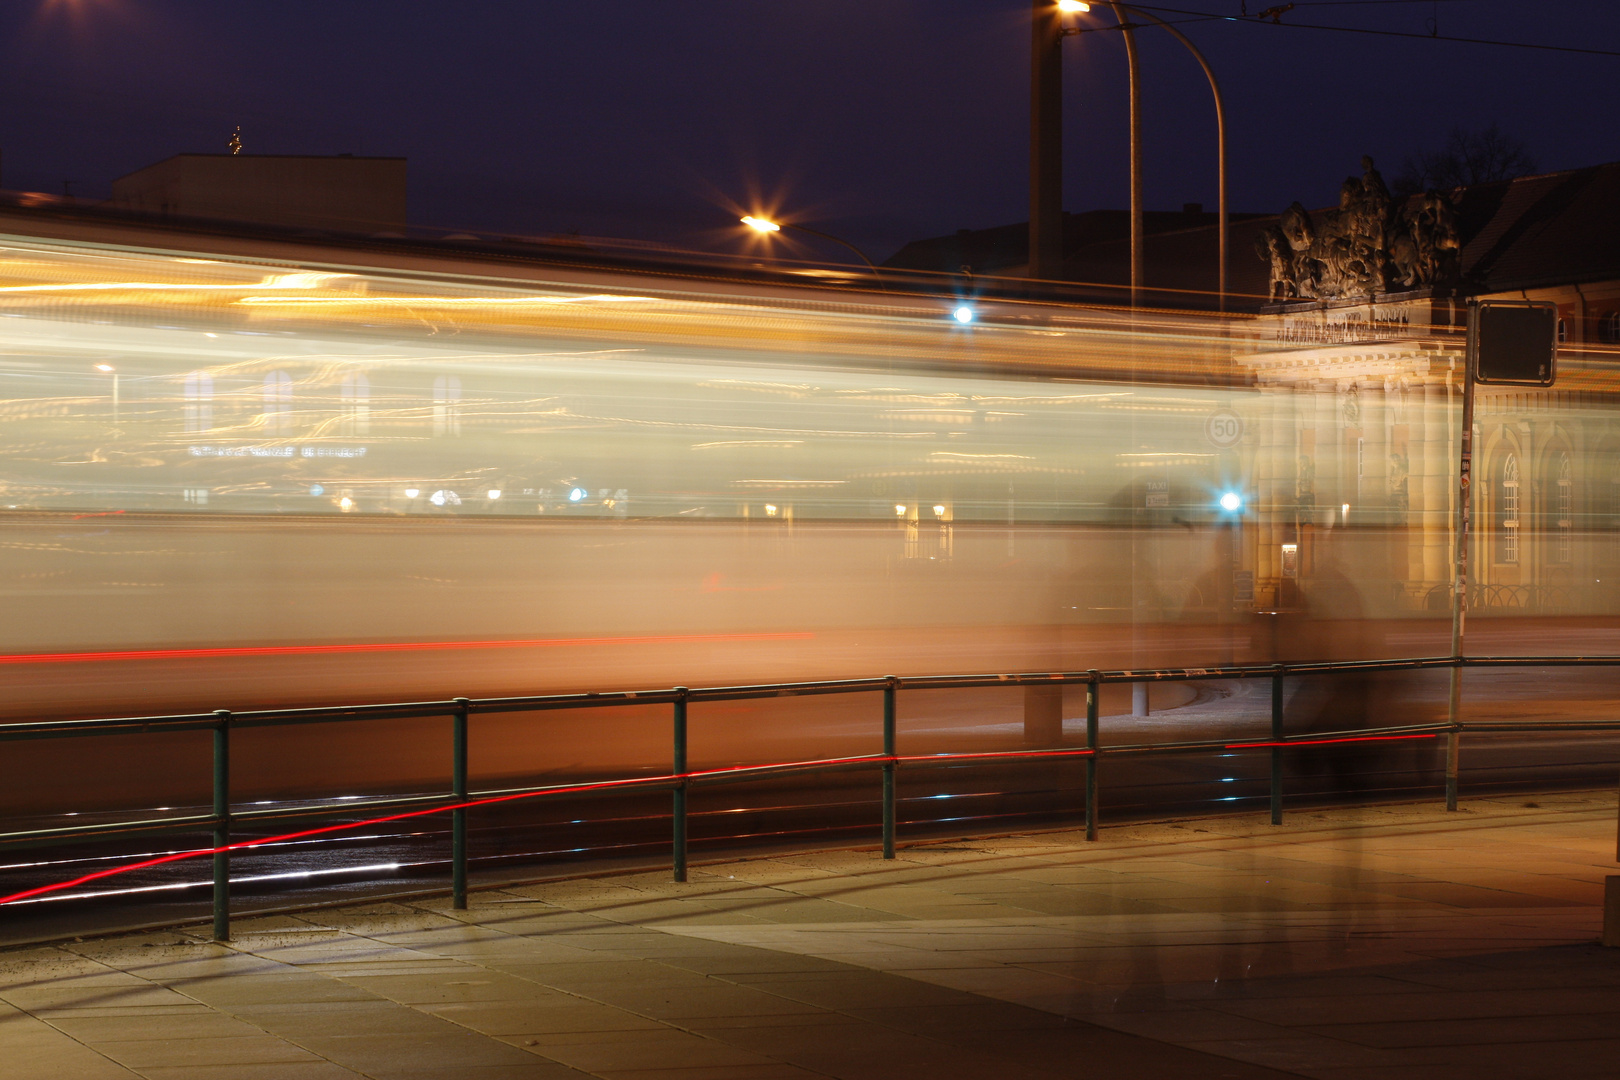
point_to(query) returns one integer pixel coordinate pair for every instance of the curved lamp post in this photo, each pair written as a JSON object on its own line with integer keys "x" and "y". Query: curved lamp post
{"x": 765, "y": 226}
{"x": 1136, "y": 160}
{"x": 1046, "y": 165}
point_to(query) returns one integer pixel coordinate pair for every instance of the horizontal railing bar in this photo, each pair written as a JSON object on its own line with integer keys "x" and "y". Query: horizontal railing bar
{"x": 406, "y": 710}
{"x": 69, "y": 729}
{"x": 1485, "y": 727}
{"x": 336, "y": 716}
{"x": 1541, "y": 661}
{"x": 570, "y": 701}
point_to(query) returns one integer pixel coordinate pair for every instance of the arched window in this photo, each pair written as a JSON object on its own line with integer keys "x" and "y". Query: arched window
{"x": 199, "y": 401}
{"x": 447, "y": 405}
{"x": 277, "y": 403}
{"x": 355, "y": 405}
{"x": 1564, "y": 509}
{"x": 1507, "y": 510}
{"x": 1609, "y": 328}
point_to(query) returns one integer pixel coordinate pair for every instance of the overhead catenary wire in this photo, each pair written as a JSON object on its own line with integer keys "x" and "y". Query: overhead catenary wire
{"x": 1253, "y": 21}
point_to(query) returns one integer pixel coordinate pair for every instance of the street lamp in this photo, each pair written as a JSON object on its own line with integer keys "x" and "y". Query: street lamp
{"x": 765, "y": 226}
{"x": 1045, "y": 157}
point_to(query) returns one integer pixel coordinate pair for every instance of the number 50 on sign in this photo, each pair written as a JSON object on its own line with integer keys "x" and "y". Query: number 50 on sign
{"x": 1224, "y": 429}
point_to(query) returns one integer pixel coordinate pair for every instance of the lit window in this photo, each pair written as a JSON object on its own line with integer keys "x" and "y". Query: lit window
{"x": 355, "y": 404}
{"x": 199, "y": 401}
{"x": 1566, "y": 510}
{"x": 278, "y": 403}
{"x": 447, "y": 405}
{"x": 1507, "y": 511}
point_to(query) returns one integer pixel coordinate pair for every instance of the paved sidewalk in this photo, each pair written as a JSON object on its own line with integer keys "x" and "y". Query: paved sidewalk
{"x": 1391, "y": 942}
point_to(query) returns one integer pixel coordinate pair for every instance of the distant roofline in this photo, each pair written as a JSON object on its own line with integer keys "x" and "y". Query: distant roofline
{"x": 306, "y": 157}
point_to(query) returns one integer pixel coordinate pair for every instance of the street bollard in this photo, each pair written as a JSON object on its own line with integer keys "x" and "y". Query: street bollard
{"x": 458, "y": 816}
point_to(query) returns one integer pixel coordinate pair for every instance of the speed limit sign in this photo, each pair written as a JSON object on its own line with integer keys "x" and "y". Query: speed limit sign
{"x": 1224, "y": 429}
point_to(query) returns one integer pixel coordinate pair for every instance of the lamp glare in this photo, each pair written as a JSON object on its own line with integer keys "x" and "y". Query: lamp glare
{"x": 963, "y": 314}
{"x": 1231, "y": 502}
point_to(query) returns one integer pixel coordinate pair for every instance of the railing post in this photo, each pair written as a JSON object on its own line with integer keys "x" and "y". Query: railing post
{"x": 1276, "y": 738}
{"x": 680, "y": 785}
{"x": 1093, "y": 693}
{"x": 458, "y": 816}
{"x": 222, "y": 825}
{"x": 891, "y": 684}
{"x": 1454, "y": 736}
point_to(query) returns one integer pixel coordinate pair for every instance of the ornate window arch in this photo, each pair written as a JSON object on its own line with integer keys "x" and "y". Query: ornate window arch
{"x": 1563, "y": 507}
{"x": 1609, "y": 328}
{"x": 1507, "y": 509}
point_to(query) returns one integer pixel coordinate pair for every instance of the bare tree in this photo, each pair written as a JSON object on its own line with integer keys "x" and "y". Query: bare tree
{"x": 1468, "y": 157}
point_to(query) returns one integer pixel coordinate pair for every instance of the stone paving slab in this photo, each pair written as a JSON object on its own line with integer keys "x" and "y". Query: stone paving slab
{"x": 1389, "y": 942}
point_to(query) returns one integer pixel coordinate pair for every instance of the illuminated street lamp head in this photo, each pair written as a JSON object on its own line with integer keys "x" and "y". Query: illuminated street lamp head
{"x": 104, "y": 367}
{"x": 963, "y": 314}
{"x": 1072, "y": 7}
{"x": 1231, "y": 502}
{"x": 761, "y": 225}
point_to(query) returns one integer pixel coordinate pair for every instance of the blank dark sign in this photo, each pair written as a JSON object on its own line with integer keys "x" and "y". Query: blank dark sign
{"x": 1514, "y": 343}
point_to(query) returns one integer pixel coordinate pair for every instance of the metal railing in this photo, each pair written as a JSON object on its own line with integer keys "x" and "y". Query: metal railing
{"x": 460, "y": 798}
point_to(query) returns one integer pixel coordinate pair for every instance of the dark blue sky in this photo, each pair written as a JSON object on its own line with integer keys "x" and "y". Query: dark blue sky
{"x": 880, "y": 120}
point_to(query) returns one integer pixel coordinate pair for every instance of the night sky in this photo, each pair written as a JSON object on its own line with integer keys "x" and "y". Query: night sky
{"x": 879, "y": 120}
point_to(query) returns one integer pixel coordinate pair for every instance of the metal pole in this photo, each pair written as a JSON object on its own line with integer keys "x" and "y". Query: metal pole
{"x": 458, "y": 816}
{"x": 888, "y": 766}
{"x": 680, "y": 785}
{"x": 1276, "y": 737}
{"x": 1046, "y": 142}
{"x": 1093, "y": 692}
{"x": 222, "y": 825}
{"x": 1220, "y": 141}
{"x": 1136, "y": 152}
{"x": 1459, "y": 587}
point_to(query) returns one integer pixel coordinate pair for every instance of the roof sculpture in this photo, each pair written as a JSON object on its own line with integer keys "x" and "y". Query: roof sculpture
{"x": 1370, "y": 244}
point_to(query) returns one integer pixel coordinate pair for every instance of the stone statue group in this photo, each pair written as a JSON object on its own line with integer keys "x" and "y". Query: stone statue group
{"x": 1370, "y": 244}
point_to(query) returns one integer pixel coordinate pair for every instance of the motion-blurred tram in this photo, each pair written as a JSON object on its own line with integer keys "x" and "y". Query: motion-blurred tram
{"x": 272, "y": 472}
